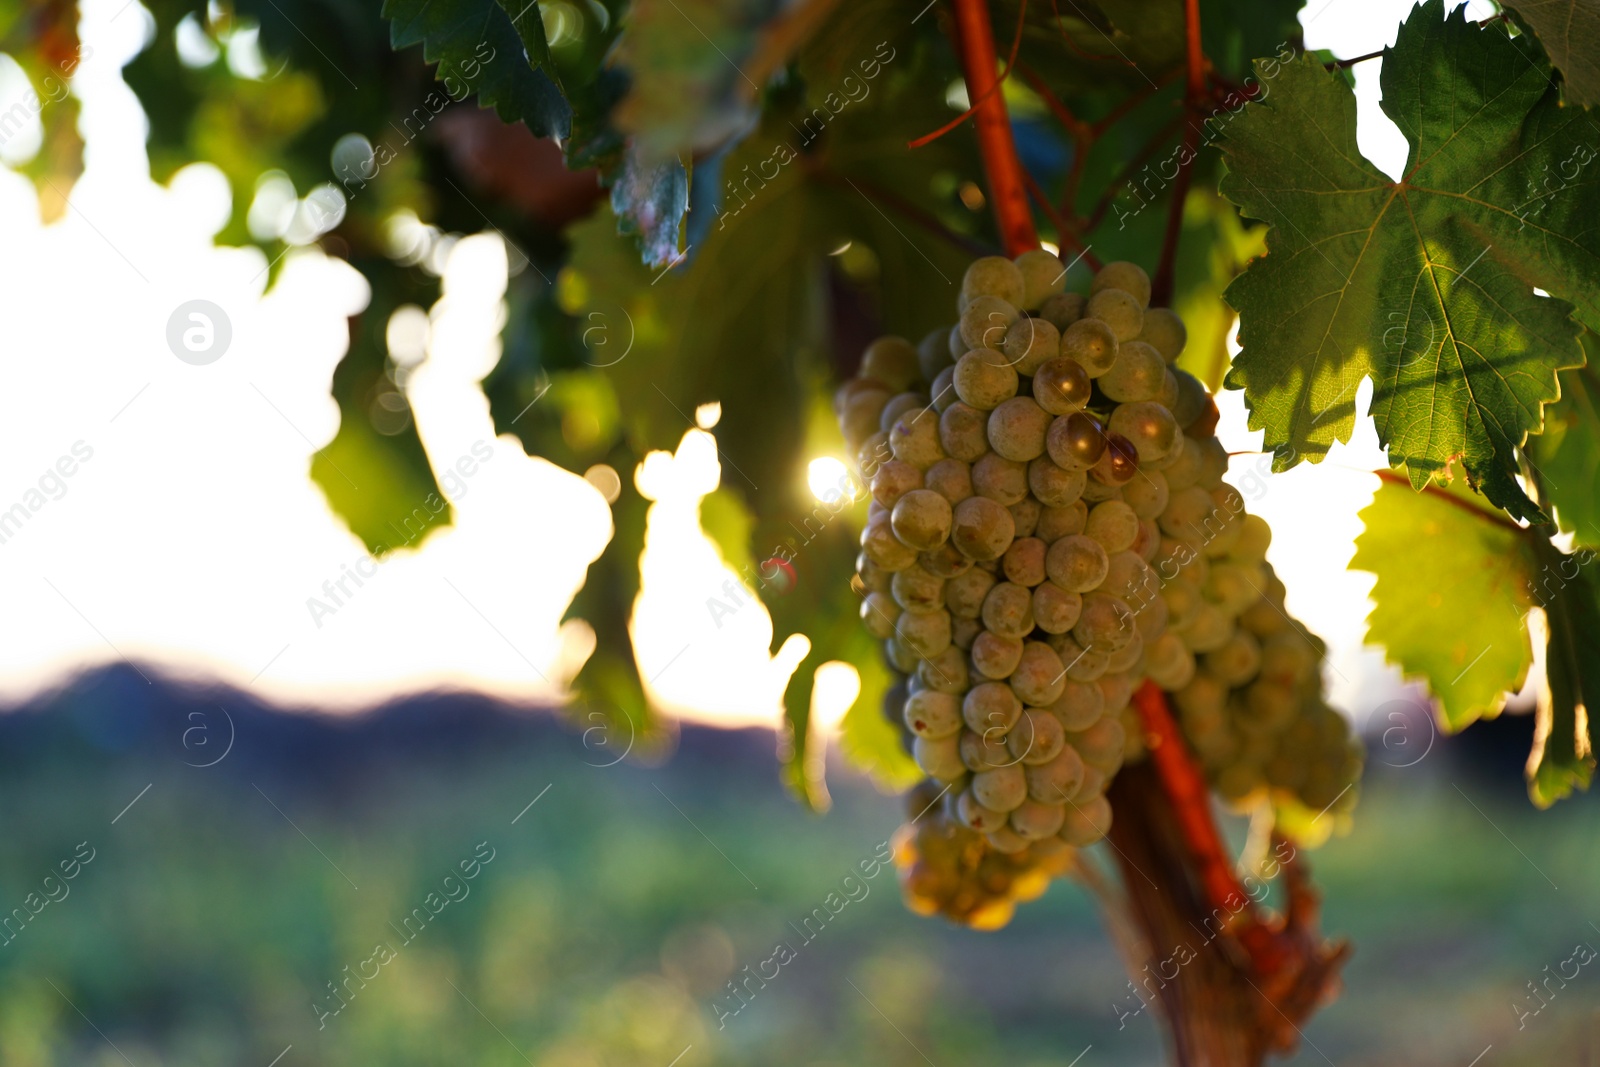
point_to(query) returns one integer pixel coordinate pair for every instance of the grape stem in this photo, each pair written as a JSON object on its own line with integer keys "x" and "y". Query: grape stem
{"x": 1191, "y": 803}
{"x": 974, "y": 39}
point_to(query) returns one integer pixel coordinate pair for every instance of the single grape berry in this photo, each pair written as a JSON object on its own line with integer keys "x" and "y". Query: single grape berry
{"x": 1061, "y": 386}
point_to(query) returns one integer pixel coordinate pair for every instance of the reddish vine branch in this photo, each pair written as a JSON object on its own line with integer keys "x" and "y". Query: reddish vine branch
{"x": 1007, "y": 189}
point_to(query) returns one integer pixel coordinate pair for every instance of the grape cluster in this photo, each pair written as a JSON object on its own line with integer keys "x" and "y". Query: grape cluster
{"x": 1048, "y": 528}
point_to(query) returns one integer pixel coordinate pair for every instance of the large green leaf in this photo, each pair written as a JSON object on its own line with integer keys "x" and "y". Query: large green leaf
{"x": 1570, "y": 33}
{"x": 1424, "y": 285}
{"x": 1451, "y": 598}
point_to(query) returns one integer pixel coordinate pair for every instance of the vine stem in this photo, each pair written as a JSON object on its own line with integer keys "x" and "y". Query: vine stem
{"x": 1194, "y": 97}
{"x": 1191, "y": 802}
{"x": 1007, "y": 190}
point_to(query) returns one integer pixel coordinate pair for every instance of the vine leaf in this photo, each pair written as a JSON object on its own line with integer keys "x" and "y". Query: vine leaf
{"x": 1452, "y": 593}
{"x": 1565, "y": 456}
{"x": 1424, "y": 285}
{"x": 476, "y": 44}
{"x": 1570, "y": 33}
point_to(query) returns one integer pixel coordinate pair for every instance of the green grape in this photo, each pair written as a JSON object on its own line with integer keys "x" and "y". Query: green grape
{"x": 984, "y": 321}
{"x": 1167, "y": 395}
{"x": 1150, "y": 428}
{"x": 963, "y": 431}
{"x": 921, "y": 519}
{"x": 1168, "y": 662}
{"x": 991, "y": 707}
{"x": 1023, "y": 562}
{"x": 1058, "y": 522}
{"x": 899, "y": 654}
{"x": 933, "y": 353}
{"x": 1238, "y": 781}
{"x": 1233, "y": 586}
{"x": 1186, "y": 513}
{"x": 883, "y": 548}
{"x": 879, "y": 613}
{"x": 894, "y": 480}
{"x": 975, "y": 816}
{"x": 1063, "y": 309}
{"x": 872, "y": 577}
{"x": 1093, "y": 785}
{"x": 981, "y": 529}
{"x": 1268, "y": 706}
{"x": 1101, "y": 745}
{"x": 1030, "y": 342}
{"x": 1006, "y": 841}
{"x": 1077, "y": 563}
{"x": 900, "y": 404}
{"x": 917, "y": 590}
{"x": 964, "y": 631}
{"x": 1055, "y": 611}
{"x": 951, "y": 479}
{"x": 1080, "y": 704}
{"x": 1136, "y": 376}
{"x": 1035, "y": 821}
{"x": 1043, "y": 276}
{"x": 861, "y": 415}
{"x": 1036, "y": 738}
{"x": 1017, "y": 429}
{"x": 1025, "y": 516}
{"x": 994, "y": 276}
{"x": 1119, "y": 310}
{"x": 1081, "y": 664}
{"x": 1129, "y": 277}
{"x": 1061, "y": 386}
{"x": 1106, "y": 625}
{"x": 1237, "y": 661}
{"x": 1086, "y": 822}
{"x": 933, "y": 714}
{"x": 873, "y": 453}
{"x": 1148, "y": 495}
{"x": 946, "y": 672}
{"x": 1185, "y": 469}
{"x": 892, "y": 361}
{"x": 1148, "y": 541}
{"x": 939, "y": 760}
{"x": 964, "y": 594}
{"x": 1000, "y": 788}
{"x": 1131, "y": 578}
{"x": 914, "y": 439}
{"x": 946, "y": 561}
{"x": 1126, "y": 658}
{"x": 1055, "y": 781}
{"x": 943, "y": 389}
{"x": 1002, "y": 480}
{"x": 1287, "y": 660}
{"x": 1254, "y": 538}
{"x": 1008, "y": 610}
{"x": 924, "y": 635}
{"x": 1113, "y": 525}
{"x": 994, "y": 656}
{"x": 1209, "y": 630}
{"x": 1092, "y": 344}
{"x": 983, "y": 379}
{"x": 1164, "y": 332}
{"x": 1038, "y": 678}
{"x": 1192, "y": 397}
{"x": 1052, "y": 486}
{"x": 1182, "y": 600}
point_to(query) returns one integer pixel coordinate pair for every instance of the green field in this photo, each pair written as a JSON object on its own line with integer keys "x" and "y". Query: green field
{"x": 219, "y": 907}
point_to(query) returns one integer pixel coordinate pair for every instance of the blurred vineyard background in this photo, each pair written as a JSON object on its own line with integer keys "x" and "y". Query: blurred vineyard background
{"x": 617, "y": 906}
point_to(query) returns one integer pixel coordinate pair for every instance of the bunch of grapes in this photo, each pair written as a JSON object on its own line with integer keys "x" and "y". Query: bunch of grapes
{"x": 1048, "y": 528}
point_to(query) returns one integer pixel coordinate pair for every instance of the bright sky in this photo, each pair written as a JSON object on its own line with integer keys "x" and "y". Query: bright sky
{"x": 188, "y": 535}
